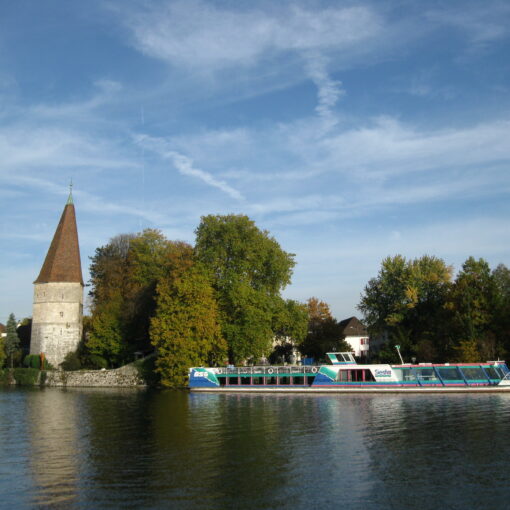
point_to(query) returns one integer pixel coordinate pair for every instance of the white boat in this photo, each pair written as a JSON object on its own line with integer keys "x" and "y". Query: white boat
{"x": 344, "y": 375}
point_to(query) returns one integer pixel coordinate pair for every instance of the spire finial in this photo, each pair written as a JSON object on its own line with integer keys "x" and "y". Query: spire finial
{"x": 70, "y": 198}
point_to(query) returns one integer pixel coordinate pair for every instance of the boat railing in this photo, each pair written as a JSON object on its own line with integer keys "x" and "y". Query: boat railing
{"x": 269, "y": 370}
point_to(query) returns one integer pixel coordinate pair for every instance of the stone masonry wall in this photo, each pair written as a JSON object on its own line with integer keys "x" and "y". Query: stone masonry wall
{"x": 57, "y": 319}
{"x": 123, "y": 377}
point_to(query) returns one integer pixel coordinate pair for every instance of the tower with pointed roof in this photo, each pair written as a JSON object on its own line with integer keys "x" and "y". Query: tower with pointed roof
{"x": 57, "y": 319}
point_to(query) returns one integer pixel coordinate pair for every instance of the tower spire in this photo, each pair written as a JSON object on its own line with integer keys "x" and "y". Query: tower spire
{"x": 70, "y": 198}
{"x": 62, "y": 263}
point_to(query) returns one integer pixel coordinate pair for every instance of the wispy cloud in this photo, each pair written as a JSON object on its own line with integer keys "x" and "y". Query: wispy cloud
{"x": 328, "y": 90}
{"x": 184, "y": 164}
{"x": 483, "y": 24}
{"x": 201, "y": 35}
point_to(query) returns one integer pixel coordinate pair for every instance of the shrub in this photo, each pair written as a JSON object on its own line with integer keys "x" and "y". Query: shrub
{"x": 25, "y": 376}
{"x": 97, "y": 362}
{"x": 147, "y": 370}
{"x": 71, "y": 362}
{"x": 5, "y": 376}
{"x": 34, "y": 361}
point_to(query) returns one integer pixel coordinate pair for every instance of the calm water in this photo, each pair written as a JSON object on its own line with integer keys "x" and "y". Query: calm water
{"x": 148, "y": 449}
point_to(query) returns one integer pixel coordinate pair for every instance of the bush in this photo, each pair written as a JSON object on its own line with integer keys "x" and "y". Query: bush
{"x": 97, "y": 362}
{"x": 147, "y": 370}
{"x": 25, "y": 376}
{"x": 5, "y": 376}
{"x": 34, "y": 361}
{"x": 71, "y": 362}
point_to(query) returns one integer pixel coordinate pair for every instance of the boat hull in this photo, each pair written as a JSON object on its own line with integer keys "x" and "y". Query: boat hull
{"x": 357, "y": 390}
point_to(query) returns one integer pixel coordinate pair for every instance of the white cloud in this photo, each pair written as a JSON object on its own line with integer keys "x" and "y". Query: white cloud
{"x": 328, "y": 90}
{"x": 199, "y": 35}
{"x": 482, "y": 23}
{"x": 184, "y": 164}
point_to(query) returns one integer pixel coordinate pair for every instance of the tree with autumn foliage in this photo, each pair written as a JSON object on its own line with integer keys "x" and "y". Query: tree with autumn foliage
{"x": 184, "y": 329}
{"x": 124, "y": 277}
{"x": 324, "y": 333}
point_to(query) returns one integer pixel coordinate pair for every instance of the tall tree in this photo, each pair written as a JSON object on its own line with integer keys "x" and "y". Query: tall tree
{"x": 124, "y": 276}
{"x": 11, "y": 344}
{"x": 248, "y": 270}
{"x": 290, "y": 321}
{"x": 2, "y": 351}
{"x": 473, "y": 298}
{"x": 501, "y": 322}
{"x": 407, "y": 300}
{"x": 185, "y": 328}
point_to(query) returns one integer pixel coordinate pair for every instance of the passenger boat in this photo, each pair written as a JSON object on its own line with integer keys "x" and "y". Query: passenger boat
{"x": 346, "y": 376}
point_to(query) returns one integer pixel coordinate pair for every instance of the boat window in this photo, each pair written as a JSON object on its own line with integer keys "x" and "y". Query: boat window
{"x": 474, "y": 373}
{"x": 233, "y": 380}
{"x": 258, "y": 380}
{"x": 271, "y": 380}
{"x": 246, "y": 380}
{"x": 222, "y": 380}
{"x": 369, "y": 377}
{"x": 356, "y": 375}
{"x": 310, "y": 379}
{"x": 405, "y": 374}
{"x": 284, "y": 380}
{"x": 425, "y": 374}
{"x": 492, "y": 372}
{"x": 343, "y": 375}
{"x": 449, "y": 373}
{"x": 299, "y": 380}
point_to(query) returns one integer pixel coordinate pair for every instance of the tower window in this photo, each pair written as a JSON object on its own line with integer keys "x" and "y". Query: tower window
{"x": 61, "y": 314}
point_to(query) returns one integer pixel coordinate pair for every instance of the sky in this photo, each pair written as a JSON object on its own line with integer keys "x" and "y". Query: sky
{"x": 351, "y": 131}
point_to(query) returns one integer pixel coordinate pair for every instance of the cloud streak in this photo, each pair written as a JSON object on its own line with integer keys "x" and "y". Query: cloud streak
{"x": 184, "y": 165}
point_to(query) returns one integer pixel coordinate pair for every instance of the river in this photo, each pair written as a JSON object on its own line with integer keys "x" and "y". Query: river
{"x": 80, "y": 448}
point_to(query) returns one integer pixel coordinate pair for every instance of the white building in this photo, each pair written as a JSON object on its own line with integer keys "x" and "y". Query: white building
{"x": 356, "y": 335}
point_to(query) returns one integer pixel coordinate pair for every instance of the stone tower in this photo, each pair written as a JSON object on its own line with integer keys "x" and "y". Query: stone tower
{"x": 57, "y": 319}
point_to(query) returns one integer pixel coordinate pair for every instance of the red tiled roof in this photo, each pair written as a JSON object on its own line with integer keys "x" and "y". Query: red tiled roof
{"x": 62, "y": 263}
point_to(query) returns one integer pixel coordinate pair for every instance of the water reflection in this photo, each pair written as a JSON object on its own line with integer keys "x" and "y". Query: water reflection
{"x": 142, "y": 449}
{"x": 53, "y": 460}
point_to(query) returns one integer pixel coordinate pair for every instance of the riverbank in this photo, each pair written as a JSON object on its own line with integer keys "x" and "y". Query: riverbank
{"x": 124, "y": 377}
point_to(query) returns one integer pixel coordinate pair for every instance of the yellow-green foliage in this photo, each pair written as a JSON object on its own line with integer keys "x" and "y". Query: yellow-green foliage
{"x": 468, "y": 351}
{"x": 185, "y": 329}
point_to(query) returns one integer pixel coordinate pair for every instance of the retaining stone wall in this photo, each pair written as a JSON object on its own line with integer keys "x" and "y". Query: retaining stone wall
{"x": 123, "y": 377}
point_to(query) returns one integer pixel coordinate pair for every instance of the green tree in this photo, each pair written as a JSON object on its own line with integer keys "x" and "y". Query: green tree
{"x": 408, "y": 301}
{"x": 248, "y": 270}
{"x": 501, "y": 310}
{"x": 290, "y": 321}
{"x": 11, "y": 343}
{"x": 473, "y": 299}
{"x": 185, "y": 328}
{"x": 124, "y": 277}
{"x": 2, "y": 351}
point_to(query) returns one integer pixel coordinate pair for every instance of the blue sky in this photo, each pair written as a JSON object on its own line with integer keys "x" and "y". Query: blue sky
{"x": 350, "y": 130}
